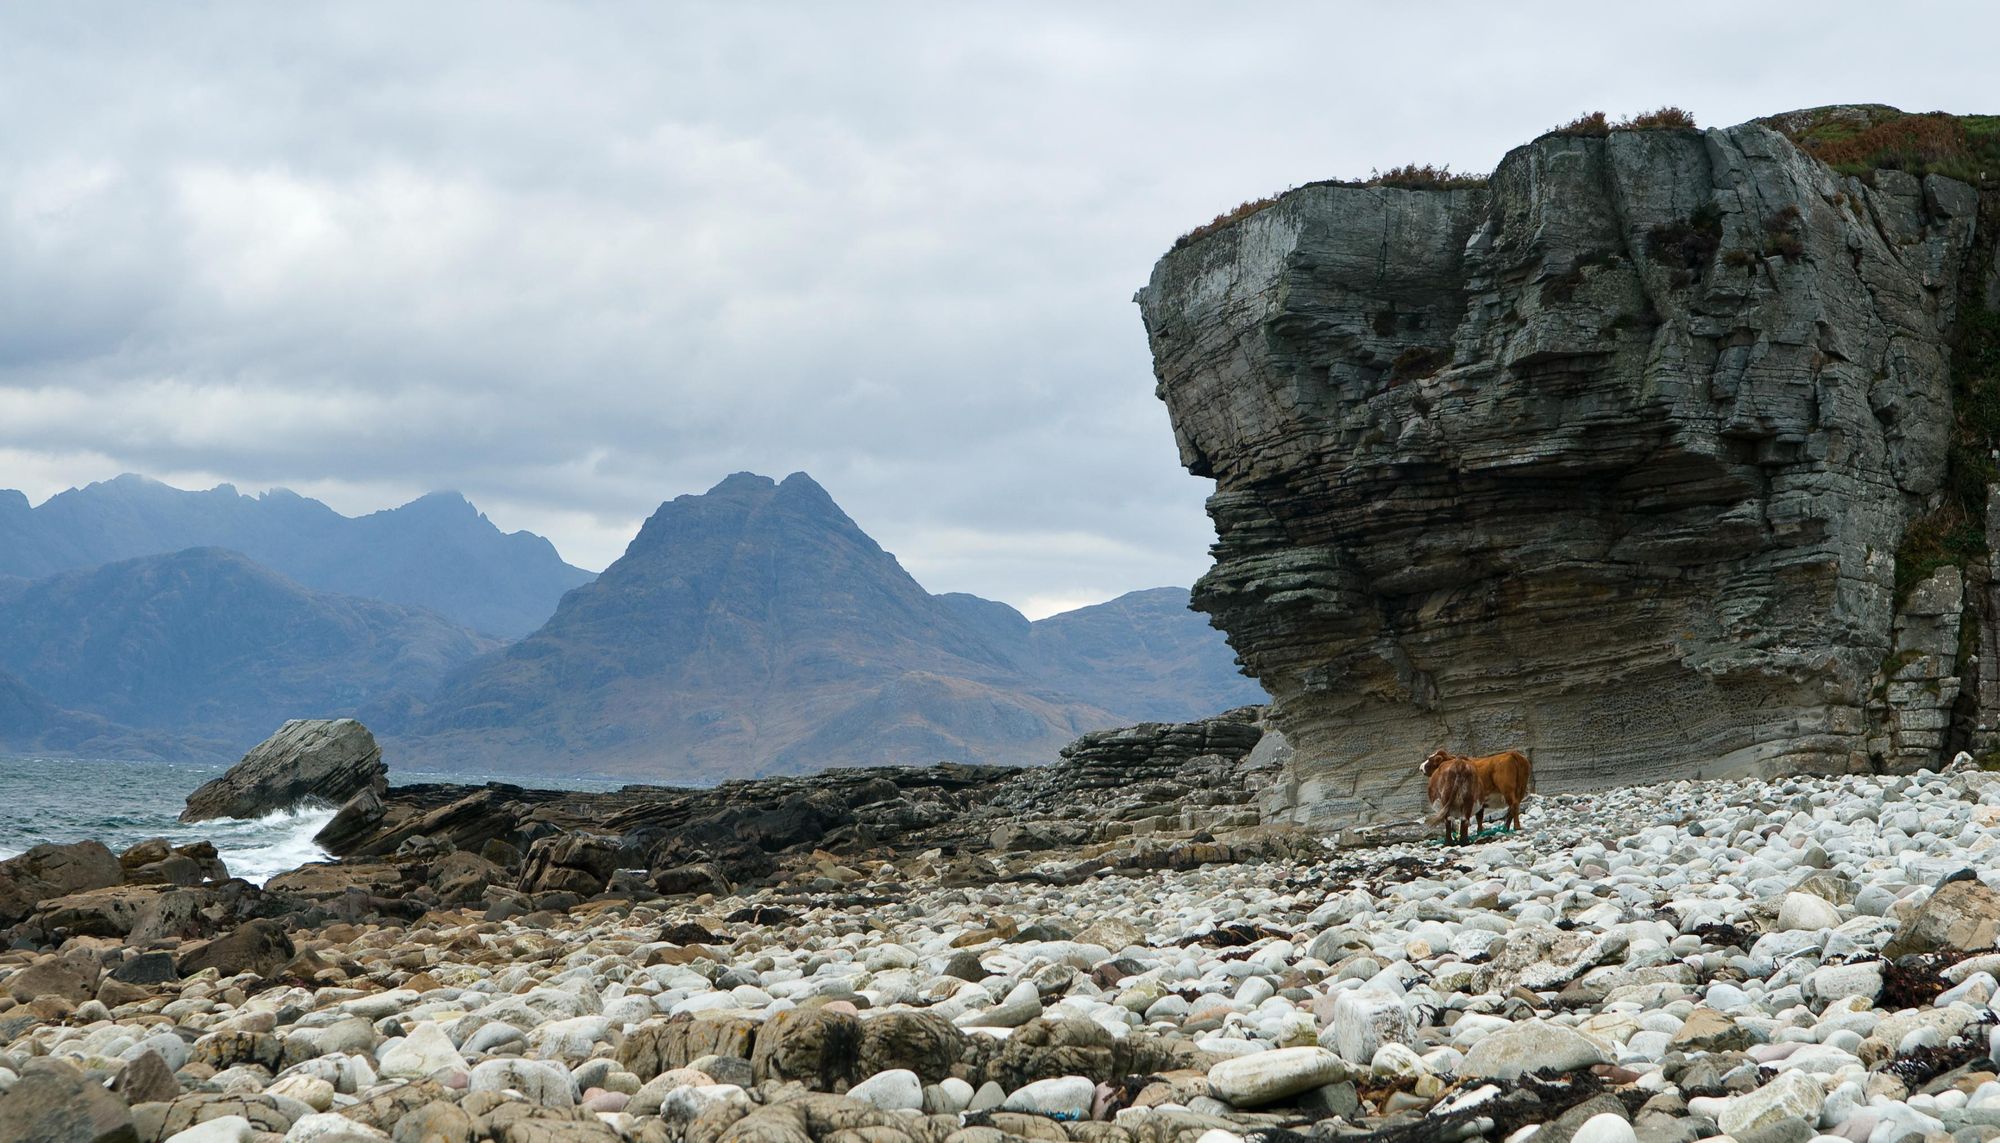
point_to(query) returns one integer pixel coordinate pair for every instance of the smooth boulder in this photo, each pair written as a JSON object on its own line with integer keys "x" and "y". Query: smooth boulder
{"x": 1265, "y": 1077}
{"x": 1532, "y": 1046}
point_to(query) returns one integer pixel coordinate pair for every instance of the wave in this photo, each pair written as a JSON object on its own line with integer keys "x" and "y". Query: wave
{"x": 258, "y": 849}
{"x": 255, "y": 849}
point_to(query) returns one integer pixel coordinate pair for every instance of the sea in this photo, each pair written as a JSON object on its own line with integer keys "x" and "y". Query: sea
{"x": 121, "y": 803}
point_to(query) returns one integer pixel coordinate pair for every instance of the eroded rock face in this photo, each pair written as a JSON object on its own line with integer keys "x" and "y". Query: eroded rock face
{"x": 327, "y": 760}
{"x": 1608, "y": 460}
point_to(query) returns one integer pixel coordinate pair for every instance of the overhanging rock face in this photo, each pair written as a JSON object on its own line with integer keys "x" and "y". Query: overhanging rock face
{"x": 1608, "y": 459}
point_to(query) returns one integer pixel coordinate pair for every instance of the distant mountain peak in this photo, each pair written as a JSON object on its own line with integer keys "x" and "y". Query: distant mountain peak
{"x": 443, "y": 504}
{"x": 437, "y": 552}
{"x": 757, "y": 628}
{"x": 740, "y": 484}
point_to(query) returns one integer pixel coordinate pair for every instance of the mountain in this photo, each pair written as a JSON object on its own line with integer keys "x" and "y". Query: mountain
{"x": 1144, "y": 655}
{"x": 436, "y": 552}
{"x": 210, "y": 647}
{"x": 757, "y": 629}
{"x": 31, "y": 724}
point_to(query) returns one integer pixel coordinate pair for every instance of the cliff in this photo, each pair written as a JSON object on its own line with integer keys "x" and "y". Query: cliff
{"x": 1614, "y": 457}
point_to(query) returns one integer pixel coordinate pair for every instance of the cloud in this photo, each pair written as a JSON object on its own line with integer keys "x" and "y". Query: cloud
{"x": 575, "y": 260}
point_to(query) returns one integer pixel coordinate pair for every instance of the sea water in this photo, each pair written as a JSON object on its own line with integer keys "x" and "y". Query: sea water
{"x": 123, "y": 803}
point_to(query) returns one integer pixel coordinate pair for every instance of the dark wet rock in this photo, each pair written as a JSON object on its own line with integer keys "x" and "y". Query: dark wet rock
{"x": 55, "y": 1104}
{"x": 1046, "y": 1049}
{"x": 689, "y": 933}
{"x": 325, "y": 761}
{"x": 467, "y": 820}
{"x": 54, "y": 976}
{"x": 461, "y": 878}
{"x": 964, "y": 964}
{"x": 54, "y": 871}
{"x": 700, "y": 877}
{"x": 923, "y": 1042}
{"x": 356, "y": 819}
{"x": 259, "y": 946}
{"x": 146, "y": 1079}
{"x": 813, "y": 1045}
{"x": 220, "y": 1050}
{"x": 146, "y": 968}
{"x": 577, "y": 863}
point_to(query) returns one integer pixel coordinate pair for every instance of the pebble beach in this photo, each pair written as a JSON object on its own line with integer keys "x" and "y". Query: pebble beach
{"x": 1805, "y": 959}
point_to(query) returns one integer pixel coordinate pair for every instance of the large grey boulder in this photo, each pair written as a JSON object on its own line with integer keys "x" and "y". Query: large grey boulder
{"x": 1608, "y": 459}
{"x": 54, "y": 870}
{"x": 310, "y": 760}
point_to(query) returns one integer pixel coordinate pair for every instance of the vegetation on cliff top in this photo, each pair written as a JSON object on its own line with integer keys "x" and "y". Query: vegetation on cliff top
{"x": 1427, "y": 176}
{"x": 1596, "y": 123}
{"x": 1409, "y": 176}
{"x": 1859, "y": 139}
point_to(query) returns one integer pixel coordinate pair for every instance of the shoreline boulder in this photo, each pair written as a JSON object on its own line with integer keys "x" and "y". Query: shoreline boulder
{"x": 54, "y": 870}
{"x": 309, "y": 760}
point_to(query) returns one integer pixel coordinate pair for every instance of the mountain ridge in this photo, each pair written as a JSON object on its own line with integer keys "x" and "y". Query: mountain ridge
{"x": 214, "y": 649}
{"x": 756, "y": 628}
{"x": 437, "y": 552}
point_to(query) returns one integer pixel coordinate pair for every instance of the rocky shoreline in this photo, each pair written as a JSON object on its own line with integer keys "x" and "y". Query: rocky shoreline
{"x": 1108, "y": 950}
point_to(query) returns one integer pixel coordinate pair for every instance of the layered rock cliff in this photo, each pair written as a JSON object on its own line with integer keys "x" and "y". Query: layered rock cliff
{"x": 1609, "y": 458}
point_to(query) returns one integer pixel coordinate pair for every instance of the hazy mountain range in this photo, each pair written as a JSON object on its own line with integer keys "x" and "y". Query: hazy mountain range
{"x": 435, "y": 552}
{"x": 751, "y": 629}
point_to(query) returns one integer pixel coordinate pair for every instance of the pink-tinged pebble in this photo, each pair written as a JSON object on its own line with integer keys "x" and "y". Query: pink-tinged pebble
{"x": 600, "y": 1100}
{"x": 841, "y": 1006}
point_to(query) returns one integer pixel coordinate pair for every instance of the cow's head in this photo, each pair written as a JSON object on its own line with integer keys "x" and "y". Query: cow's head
{"x": 1431, "y": 763}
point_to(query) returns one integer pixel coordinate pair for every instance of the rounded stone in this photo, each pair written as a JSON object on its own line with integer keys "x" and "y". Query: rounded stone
{"x": 1064, "y": 1097}
{"x": 1265, "y": 1077}
{"x": 897, "y": 1089}
{"x": 1605, "y": 1128}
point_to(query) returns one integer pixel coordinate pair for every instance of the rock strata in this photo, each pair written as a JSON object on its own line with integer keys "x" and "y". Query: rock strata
{"x": 326, "y": 761}
{"x": 1610, "y": 459}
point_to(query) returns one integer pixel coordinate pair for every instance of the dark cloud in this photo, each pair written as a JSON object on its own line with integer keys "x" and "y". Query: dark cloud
{"x": 575, "y": 259}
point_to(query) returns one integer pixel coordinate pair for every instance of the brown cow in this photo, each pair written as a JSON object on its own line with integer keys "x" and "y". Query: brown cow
{"x": 1454, "y": 789}
{"x": 1461, "y": 787}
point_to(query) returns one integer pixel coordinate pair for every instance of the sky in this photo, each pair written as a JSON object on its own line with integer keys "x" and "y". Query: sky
{"x": 573, "y": 260}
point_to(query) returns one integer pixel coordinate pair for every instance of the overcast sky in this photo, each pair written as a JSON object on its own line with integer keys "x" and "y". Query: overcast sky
{"x": 573, "y": 260}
